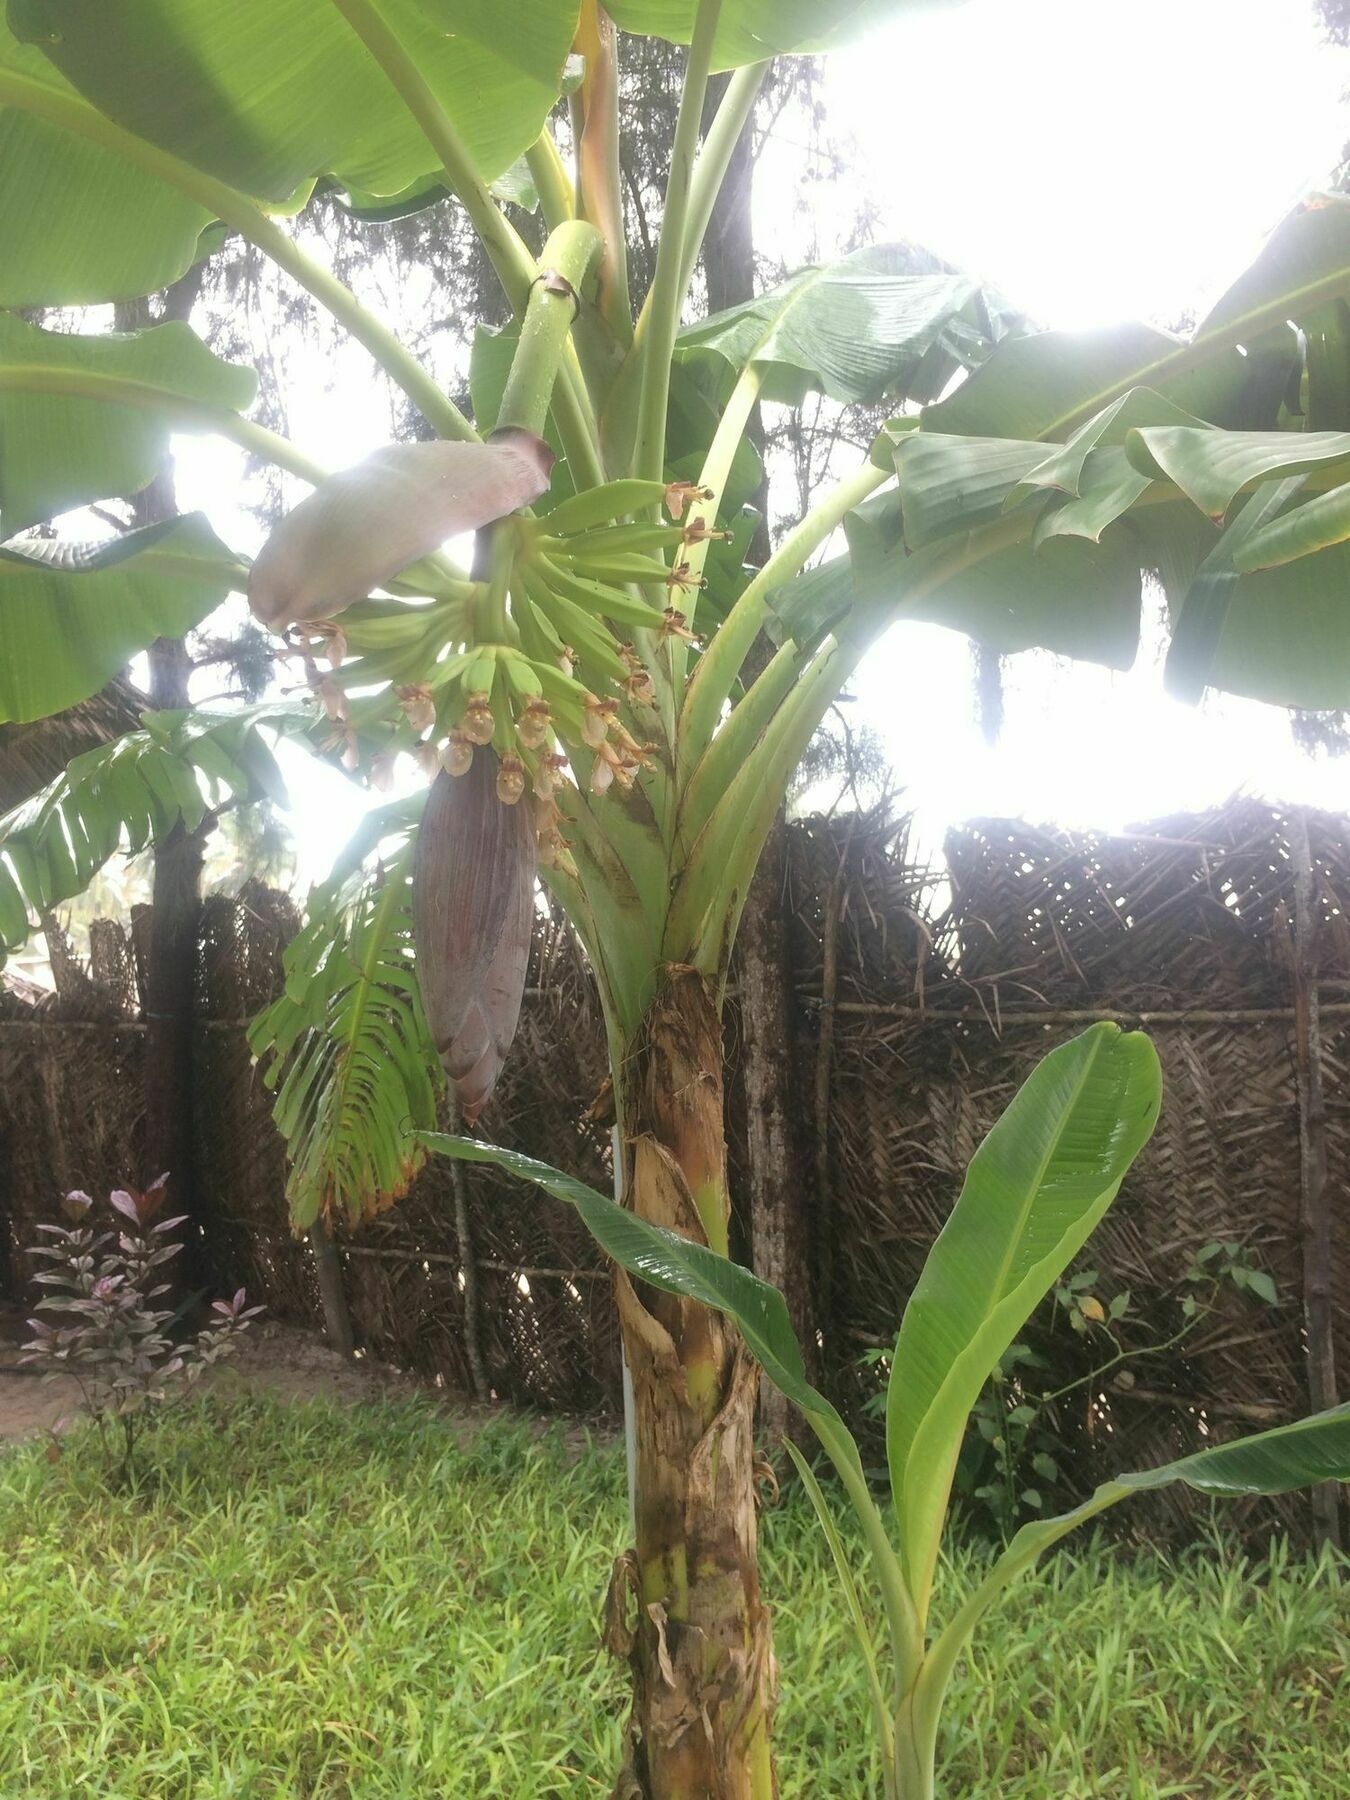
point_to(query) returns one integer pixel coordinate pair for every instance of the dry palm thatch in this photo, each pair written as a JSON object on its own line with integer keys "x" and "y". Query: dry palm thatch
{"x": 34, "y": 754}
{"x": 923, "y": 996}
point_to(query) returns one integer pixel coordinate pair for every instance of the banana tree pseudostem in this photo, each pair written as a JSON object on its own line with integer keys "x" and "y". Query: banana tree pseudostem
{"x": 593, "y": 664}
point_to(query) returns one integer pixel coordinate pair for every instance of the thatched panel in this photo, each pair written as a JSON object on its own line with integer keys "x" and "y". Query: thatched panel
{"x": 932, "y": 998}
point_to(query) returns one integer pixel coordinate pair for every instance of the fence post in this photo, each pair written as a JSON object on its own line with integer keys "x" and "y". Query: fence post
{"x": 328, "y": 1267}
{"x": 468, "y": 1269}
{"x": 1315, "y": 1208}
{"x": 829, "y": 982}
{"x": 779, "y": 1214}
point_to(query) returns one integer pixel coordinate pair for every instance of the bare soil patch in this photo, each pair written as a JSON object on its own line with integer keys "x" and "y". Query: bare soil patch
{"x": 272, "y": 1358}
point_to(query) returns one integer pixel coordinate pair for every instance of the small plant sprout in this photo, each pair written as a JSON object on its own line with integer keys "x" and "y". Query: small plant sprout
{"x": 100, "y": 1285}
{"x": 1035, "y": 1190}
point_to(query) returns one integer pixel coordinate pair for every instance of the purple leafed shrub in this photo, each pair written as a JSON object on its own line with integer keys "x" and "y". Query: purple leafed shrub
{"x": 101, "y": 1287}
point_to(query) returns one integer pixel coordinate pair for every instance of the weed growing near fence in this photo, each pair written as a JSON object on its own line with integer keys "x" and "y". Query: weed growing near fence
{"x": 377, "y": 1602}
{"x": 99, "y": 1286}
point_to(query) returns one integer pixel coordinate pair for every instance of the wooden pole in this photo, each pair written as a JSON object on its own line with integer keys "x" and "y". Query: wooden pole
{"x": 168, "y": 999}
{"x": 775, "y": 1200}
{"x": 779, "y": 1203}
{"x": 328, "y": 1267}
{"x": 468, "y": 1270}
{"x": 829, "y": 981}
{"x": 1315, "y": 1204}
{"x": 1034, "y": 1016}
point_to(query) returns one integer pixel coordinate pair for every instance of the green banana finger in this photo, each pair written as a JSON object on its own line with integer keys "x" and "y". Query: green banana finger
{"x": 596, "y": 597}
{"x": 614, "y": 540}
{"x": 596, "y": 506}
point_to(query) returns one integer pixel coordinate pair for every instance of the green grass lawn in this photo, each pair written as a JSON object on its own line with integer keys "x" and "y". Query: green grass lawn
{"x": 355, "y": 1601}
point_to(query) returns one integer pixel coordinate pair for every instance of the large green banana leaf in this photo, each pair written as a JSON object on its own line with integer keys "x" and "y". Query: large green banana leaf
{"x": 1316, "y": 524}
{"x": 748, "y": 31}
{"x": 1270, "y": 625}
{"x": 1211, "y": 468}
{"x": 83, "y": 418}
{"x": 78, "y": 224}
{"x": 950, "y": 485}
{"x": 1151, "y": 451}
{"x": 1201, "y": 610}
{"x": 1294, "y": 1456}
{"x": 71, "y": 615}
{"x": 880, "y": 325}
{"x": 1076, "y": 598}
{"x": 347, "y": 1045}
{"x": 1049, "y": 385}
{"x": 678, "y": 1266}
{"x": 1035, "y": 1190}
{"x": 269, "y": 94}
{"x": 127, "y": 795}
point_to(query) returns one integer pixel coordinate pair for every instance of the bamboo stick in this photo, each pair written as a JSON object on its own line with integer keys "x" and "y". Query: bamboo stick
{"x": 1075, "y": 1015}
{"x": 336, "y": 1317}
{"x": 1314, "y": 1208}
{"x": 468, "y": 1274}
{"x": 824, "y": 1234}
{"x": 921, "y": 1015}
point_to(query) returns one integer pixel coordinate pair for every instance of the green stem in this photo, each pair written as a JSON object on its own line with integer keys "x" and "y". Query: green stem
{"x": 257, "y": 440}
{"x": 668, "y": 291}
{"x": 556, "y": 199}
{"x": 499, "y": 626}
{"x": 717, "y": 469}
{"x": 723, "y": 135}
{"x": 901, "y": 1618}
{"x": 271, "y": 447}
{"x": 179, "y": 412}
{"x": 881, "y": 1711}
{"x": 709, "y": 173}
{"x": 715, "y": 676}
{"x": 437, "y": 408}
{"x": 506, "y": 249}
{"x": 707, "y": 905}
{"x": 749, "y": 720}
{"x": 237, "y": 210}
{"x": 599, "y": 171}
{"x": 1122, "y": 1355}
{"x": 564, "y": 263}
{"x": 915, "y": 1746}
{"x": 577, "y": 427}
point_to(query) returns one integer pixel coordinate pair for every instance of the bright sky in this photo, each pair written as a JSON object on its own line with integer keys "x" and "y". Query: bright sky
{"x": 1096, "y": 160}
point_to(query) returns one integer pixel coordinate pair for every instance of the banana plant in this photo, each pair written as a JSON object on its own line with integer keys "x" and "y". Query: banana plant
{"x": 1035, "y": 1190}
{"x": 592, "y": 667}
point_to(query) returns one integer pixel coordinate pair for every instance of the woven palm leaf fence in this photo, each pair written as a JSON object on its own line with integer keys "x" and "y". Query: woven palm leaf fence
{"x": 922, "y": 996}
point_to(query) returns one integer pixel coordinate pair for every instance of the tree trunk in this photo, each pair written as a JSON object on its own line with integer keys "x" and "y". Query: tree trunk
{"x": 729, "y": 246}
{"x": 988, "y": 694}
{"x": 176, "y": 899}
{"x": 685, "y": 1607}
{"x": 777, "y": 1222}
{"x": 337, "y": 1319}
{"x": 171, "y": 969}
